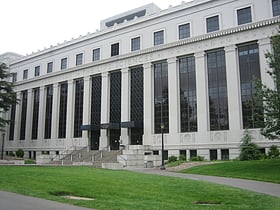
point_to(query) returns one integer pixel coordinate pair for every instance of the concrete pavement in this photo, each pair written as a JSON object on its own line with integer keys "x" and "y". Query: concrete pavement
{"x": 12, "y": 201}
{"x": 256, "y": 186}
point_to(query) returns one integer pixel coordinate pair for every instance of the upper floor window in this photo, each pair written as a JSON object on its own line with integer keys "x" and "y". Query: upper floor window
{"x": 135, "y": 44}
{"x": 37, "y": 71}
{"x": 158, "y": 37}
{"x": 115, "y": 49}
{"x": 184, "y": 31}
{"x": 96, "y": 54}
{"x": 63, "y": 63}
{"x": 50, "y": 67}
{"x": 244, "y": 16}
{"x": 276, "y": 7}
{"x": 25, "y": 74}
{"x": 79, "y": 59}
{"x": 14, "y": 77}
{"x": 212, "y": 23}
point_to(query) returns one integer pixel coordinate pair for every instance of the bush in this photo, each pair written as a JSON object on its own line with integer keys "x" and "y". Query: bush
{"x": 172, "y": 159}
{"x": 273, "y": 152}
{"x": 198, "y": 158}
{"x": 249, "y": 150}
{"x": 11, "y": 154}
{"x": 20, "y": 153}
{"x": 182, "y": 157}
{"x": 29, "y": 161}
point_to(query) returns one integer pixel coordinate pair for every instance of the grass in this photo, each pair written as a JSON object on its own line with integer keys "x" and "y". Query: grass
{"x": 127, "y": 190}
{"x": 262, "y": 170}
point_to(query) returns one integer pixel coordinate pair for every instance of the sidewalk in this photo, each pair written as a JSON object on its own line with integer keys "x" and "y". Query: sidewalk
{"x": 256, "y": 186}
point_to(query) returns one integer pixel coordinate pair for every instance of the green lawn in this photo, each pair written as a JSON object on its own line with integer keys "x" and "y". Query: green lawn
{"x": 127, "y": 190}
{"x": 263, "y": 170}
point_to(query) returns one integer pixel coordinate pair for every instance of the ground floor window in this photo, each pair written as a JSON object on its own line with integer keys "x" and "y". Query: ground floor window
{"x": 193, "y": 153}
{"x": 225, "y": 154}
{"x": 213, "y": 154}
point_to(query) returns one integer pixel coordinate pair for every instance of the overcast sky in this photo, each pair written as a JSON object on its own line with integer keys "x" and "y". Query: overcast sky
{"x": 29, "y": 25}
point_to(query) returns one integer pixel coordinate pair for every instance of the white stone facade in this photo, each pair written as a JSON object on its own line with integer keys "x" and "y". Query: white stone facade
{"x": 228, "y": 37}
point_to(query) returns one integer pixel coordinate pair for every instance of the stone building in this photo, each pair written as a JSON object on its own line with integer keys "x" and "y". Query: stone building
{"x": 184, "y": 74}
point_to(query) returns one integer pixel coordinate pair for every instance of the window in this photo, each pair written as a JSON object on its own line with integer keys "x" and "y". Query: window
{"x": 37, "y": 71}
{"x": 62, "y": 110}
{"x": 249, "y": 71}
{"x": 48, "y": 114}
{"x": 217, "y": 90}
{"x": 79, "y": 59}
{"x": 12, "y": 122}
{"x": 35, "y": 117}
{"x": 161, "y": 107}
{"x": 63, "y": 63}
{"x": 115, "y": 49}
{"x": 135, "y": 44}
{"x": 184, "y": 31}
{"x": 96, "y": 54}
{"x": 212, "y": 23}
{"x": 276, "y": 7}
{"x": 188, "y": 101}
{"x": 23, "y": 114}
{"x": 25, "y": 74}
{"x": 244, "y": 16}
{"x": 50, "y": 67}
{"x": 78, "y": 117}
{"x": 158, "y": 37}
{"x": 225, "y": 154}
{"x": 213, "y": 154}
{"x": 14, "y": 77}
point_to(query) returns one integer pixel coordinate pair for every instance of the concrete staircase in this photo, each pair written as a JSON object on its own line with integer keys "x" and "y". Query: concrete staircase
{"x": 95, "y": 158}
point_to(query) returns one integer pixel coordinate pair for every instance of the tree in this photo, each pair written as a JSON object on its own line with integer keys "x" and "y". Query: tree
{"x": 249, "y": 150}
{"x": 7, "y": 95}
{"x": 273, "y": 152}
{"x": 269, "y": 98}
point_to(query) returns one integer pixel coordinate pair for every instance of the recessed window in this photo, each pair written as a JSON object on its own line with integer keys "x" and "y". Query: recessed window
{"x": 135, "y": 44}
{"x": 50, "y": 67}
{"x": 25, "y": 74}
{"x": 14, "y": 77}
{"x": 63, "y": 63}
{"x": 115, "y": 49}
{"x": 212, "y": 23}
{"x": 37, "y": 71}
{"x": 244, "y": 16}
{"x": 158, "y": 37}
{"x": 96, "y": 54}
{"x": 79, "y": 59}
{"x": 184, "y": 31}
{"x": 276, "y": 7}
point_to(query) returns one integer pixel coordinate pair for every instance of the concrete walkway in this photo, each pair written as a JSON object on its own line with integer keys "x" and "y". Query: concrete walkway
{"x": 256, "y": 186}
{"x": 12, "y": 201}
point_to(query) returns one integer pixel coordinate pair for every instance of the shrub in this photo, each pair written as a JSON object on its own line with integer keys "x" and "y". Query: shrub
{"x": 11, "y": 154}
{"x": 172, "y": 159}
{"x": 273, "y": 152}
{"x": 198, "y": 158}
{"x": 249, "y": 150}
{"x": 20, "y": 153}
{"x": 29, "y": 161}
{"x": 182, "y": 157}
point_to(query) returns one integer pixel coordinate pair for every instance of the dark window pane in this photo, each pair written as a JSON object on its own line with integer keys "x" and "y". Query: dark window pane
{"x": 50, "y": 67}
{"x": 135, "y": 44}
{"x": 23, "y": 114}
{"x": 158, "y": 37}
{"x": 96, "y": 54}
{"x": 79, "y": 59}
{"x": 276, "y": 7}
{"x": 35, "y": 118}
{"x": 62, "y": 110}
{"x": 48, "y": 117}
{"x": 115, "y": 49}
{"x": 37, "y": 71}
{"x": 12, "y": 122}
{"x": 63, "y": 63}
{"x": 244, "y": 16}
{"x": 184, "y": 31}
{"x": 212, "y": 23}
{"x": 78, "y": 116}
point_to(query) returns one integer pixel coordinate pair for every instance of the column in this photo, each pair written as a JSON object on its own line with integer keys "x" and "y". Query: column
{"x": 233, "y": 88}
{"x": 29, "y": 115}
{"x": 55, "y": 107}
{"x": 125, "y": 110}
{"x": 17, "y": 118}
{"x": 70, "y": 110}
{"x": 42, "y": 111}
{"x": 173, "y": 96}
{"x": 201, "y": 87}
{"x": 148, "y": 104}
{"x": 265, "y": 46}
{"x": 104, "y": 141}
{"x": 86, "y": 107}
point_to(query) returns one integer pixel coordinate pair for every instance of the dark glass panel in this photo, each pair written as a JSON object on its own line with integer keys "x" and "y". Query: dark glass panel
{"x": 62, "y": 110}
{"x": 36, "y": 101}
{"x": 78, "y": 116}
{"x": 48, "y": 117}
{"x": 23, "y": 114}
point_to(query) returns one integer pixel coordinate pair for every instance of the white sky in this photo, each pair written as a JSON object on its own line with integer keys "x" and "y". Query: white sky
{"x": 29, "y": 25}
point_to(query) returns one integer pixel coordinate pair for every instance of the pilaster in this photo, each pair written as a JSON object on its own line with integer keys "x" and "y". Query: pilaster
{"x": 70, "y": 110}
{"x": 125, "y": 95}
{"x": 42, "y": 111}
{"x": 233, "y": 88}
{"x": 104, "y": 142}
{"x": 86, "y": 106}
{"x": 55, "y": 107}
